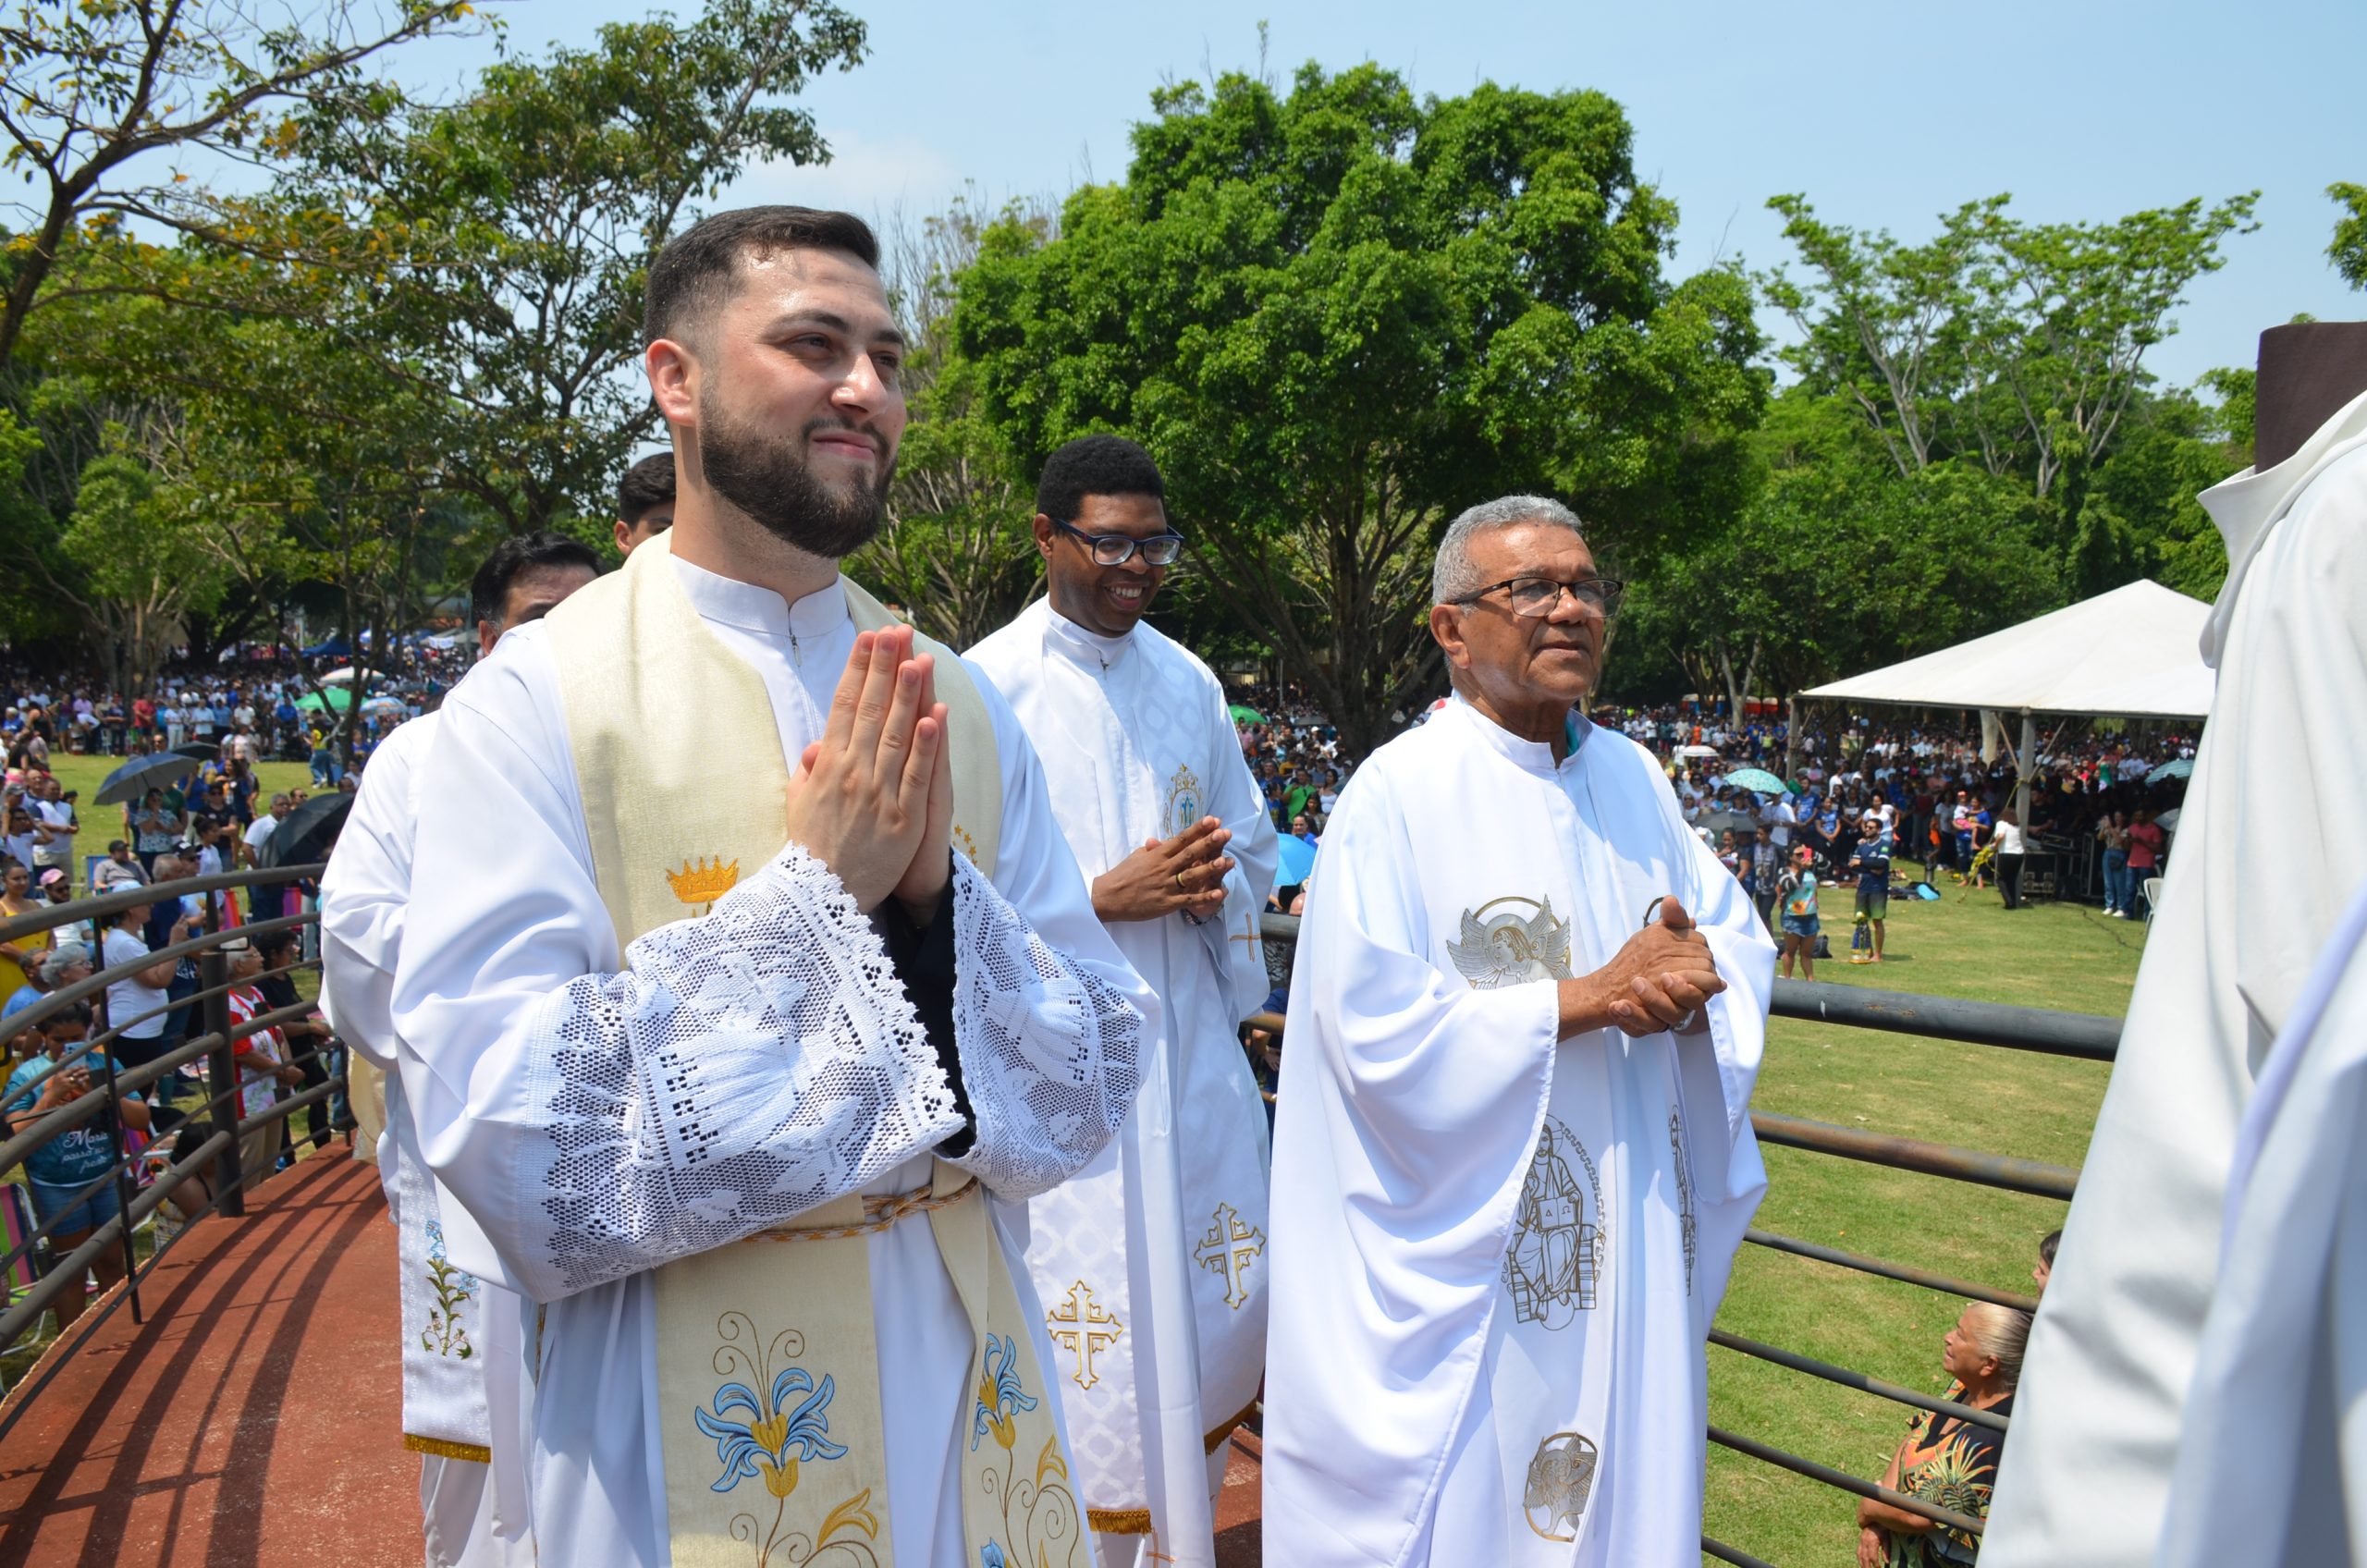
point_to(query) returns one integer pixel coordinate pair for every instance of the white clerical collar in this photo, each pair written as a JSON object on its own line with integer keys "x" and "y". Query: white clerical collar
{"x": 729, "y": 602}
{"x": 1090, "y": 648}
{"x": 1531, "y": 756}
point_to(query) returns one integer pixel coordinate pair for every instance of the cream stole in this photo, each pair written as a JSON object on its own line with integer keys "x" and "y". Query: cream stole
{"x": 767, "y": 1359}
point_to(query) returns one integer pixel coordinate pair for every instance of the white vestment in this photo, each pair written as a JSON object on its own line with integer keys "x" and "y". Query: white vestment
{"x": 2273, "y": 829}
{"x": 1164, "y": 1237}
{"x": 462, "y": 1376}
{"x": 510, "y": 964}
{"x": 1496, "y": 1256}
{"x": 2272, "y": 1466}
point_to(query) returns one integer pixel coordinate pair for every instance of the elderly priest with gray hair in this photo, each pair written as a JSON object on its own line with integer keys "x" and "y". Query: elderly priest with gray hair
{"x": 1512, "y": 1157}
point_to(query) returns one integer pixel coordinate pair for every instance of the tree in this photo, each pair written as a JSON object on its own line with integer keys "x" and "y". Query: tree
{"x": 2017, "y": 347}
{"x": 1839, "y": 565}
{"x": 957, "y": 553}
{"x": 495, "y": 248}
{"x": 94, "y": 88}
{"x": 2349, "y": 251}
{"x": 1338, "y": 315}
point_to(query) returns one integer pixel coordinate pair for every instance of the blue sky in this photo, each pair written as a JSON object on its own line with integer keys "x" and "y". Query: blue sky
{"x": 1884, "y": 115}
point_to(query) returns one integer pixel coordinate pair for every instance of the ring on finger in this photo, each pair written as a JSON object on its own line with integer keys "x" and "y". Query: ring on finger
{"x": 1179, "y": 882}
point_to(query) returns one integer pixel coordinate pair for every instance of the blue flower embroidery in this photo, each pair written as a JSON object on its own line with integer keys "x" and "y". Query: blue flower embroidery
{"x": 991, "y": 1556}
{"x": 771, "y": 1442}
{"x": 1000, "y": 1397}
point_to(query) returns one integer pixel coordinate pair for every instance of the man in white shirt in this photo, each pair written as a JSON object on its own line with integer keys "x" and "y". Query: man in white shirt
{"x": 1778, "y": 816}
{"x": 54, "y": 812}
{"x": 260, "y": 831}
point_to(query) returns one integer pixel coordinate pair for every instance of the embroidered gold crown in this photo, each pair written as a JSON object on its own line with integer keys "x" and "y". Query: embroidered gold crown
{"x": 703, "y": 881}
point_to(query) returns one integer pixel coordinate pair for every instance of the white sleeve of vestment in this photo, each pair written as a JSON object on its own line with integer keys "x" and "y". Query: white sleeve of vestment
{"x": 362, "y": 896}
{"x": 598, "y": 1118}
{"x": 1443, "y": 1085}
{"x": 1049, "y": 1020}
{"x": 1235, "y": 800}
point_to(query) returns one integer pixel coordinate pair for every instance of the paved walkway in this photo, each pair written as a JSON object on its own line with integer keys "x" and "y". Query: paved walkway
{"x": 253, "y": 1420}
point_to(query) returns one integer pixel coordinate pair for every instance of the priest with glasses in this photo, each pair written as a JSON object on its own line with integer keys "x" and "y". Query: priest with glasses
{"x": 1512, "y": 1157}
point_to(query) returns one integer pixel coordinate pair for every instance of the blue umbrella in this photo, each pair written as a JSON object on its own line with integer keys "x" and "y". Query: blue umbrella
{"x": 1297, "y": 861}
{"x": 141, "y": 775}
{"x": 1759, "y": 779}
{"x": 2182, "y": 768}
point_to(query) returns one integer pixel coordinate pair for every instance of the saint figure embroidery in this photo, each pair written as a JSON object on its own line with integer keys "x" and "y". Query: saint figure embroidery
{"x": 1185, "y": 799}
{"x": 1511, "y": 942}
{"x": 1561, "y": 1478}
{"x": 1556, "y": 1253}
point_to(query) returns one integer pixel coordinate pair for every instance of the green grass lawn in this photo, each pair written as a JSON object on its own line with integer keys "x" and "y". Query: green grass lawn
{"x": 103, "y": 823}
{"x": 2061, "y": 956}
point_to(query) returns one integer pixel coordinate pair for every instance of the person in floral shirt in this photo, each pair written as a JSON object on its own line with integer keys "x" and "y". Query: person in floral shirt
{"x": 1947, "y": 1460}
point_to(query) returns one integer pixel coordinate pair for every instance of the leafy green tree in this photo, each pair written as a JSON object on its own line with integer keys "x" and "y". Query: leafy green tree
{"x": 93, "y": 88}
{"x": 495, "y": 248}
{"x": 2349, "y": 251}
{"x": 957, "y": 553}
{"x": 1339, "y": 315}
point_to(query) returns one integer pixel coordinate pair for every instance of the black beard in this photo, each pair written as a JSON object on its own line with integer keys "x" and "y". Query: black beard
{"x": 767, "y": 478}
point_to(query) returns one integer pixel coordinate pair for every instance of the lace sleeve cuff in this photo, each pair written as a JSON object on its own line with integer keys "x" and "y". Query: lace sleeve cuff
{"x": 745, "y": 1068}
{"x": 1050, "y": 1051}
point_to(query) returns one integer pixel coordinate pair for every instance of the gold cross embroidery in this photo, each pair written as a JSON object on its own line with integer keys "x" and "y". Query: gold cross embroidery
{"x": 1227, "y": 1250}
{"x": 1080, "y": 1326}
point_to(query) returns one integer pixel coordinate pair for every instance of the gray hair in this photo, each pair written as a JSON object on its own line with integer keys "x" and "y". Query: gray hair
{"x": 2001, "y": 1332}
{"x": 57, "y": 961}
{"x": 1453, "y": 575}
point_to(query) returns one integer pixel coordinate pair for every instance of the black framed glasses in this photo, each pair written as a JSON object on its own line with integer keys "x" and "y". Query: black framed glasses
{"x": 1117, "y": 549}
{"x": 1534, "y": 597}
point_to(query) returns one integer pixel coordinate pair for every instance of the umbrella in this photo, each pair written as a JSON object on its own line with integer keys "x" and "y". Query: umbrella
{"x": 141, "y": 775}
{"x": 1696, "y": 751}
{"x": 1717, "y": 822}
{"x": 380, "y": 704}
{"x": 1297, "y": 860}
{"x": 1245, "y": 714}
{"x": 343, "y": 672}
{"x": 307, "y": 833}
{"x": 2168, "y": 821}
{"x": 1758, "y": 780}
{"x": 203, "y": 750}
{"x": 2182, "y": 768}
{"x": 335, "y": 697}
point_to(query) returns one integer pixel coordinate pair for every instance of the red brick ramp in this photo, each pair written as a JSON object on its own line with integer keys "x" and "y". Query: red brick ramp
{"x": 254, "y": 1421}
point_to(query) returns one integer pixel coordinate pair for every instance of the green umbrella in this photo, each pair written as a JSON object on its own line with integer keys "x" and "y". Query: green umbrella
{"x": 1759, "y": 779}
{"x": 1243, "y": 715}
{"x": 339, "y": 698}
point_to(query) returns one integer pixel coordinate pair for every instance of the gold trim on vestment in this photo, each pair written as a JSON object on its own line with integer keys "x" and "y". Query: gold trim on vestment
{"x": 884, "y": 1210}
{"x": 442, "y": 1449}
{"x": 1118, "y": 1521}
{"x": 1216, "y": 1439}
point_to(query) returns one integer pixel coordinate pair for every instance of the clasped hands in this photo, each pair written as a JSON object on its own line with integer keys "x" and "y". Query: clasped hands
{"x": 1658, "y": 981}
{"x": 1180, "y": 875}
{"x": 872, "y": 799}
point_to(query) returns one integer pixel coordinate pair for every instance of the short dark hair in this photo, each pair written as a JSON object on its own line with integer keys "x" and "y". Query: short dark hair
{"x": 2046, "y": 1245}
{"x": 649, "y": 483}
{"x": 489, "y": 589}
{"x": 67, "y": 1016}
{"x": 1096, "y": 465}
{"x": 692, "y": 274}
{"x": 271, "y": 942}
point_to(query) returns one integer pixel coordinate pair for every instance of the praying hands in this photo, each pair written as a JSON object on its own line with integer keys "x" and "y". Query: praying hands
{"x": 873, "y": 800}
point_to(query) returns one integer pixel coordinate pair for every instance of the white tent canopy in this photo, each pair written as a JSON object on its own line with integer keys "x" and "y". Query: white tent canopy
{"x": 2134, "y": 652}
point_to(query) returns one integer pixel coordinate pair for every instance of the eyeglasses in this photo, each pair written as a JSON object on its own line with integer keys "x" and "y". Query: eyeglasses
{"x": 1117, "y": 549}
{"x": 1533, "y": 596}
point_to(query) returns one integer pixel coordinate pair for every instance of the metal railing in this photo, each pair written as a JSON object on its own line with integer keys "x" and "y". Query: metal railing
{"x": 2085, "y": 1036}
{"x": 140, "y": 1185}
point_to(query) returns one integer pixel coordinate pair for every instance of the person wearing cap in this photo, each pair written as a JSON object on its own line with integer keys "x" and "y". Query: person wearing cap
{"x": 119, "y": 870}
{"x": 1870, "y": 861}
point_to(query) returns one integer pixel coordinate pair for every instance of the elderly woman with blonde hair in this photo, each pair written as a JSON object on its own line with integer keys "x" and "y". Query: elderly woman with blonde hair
{"x": 1946, "y": 1460}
